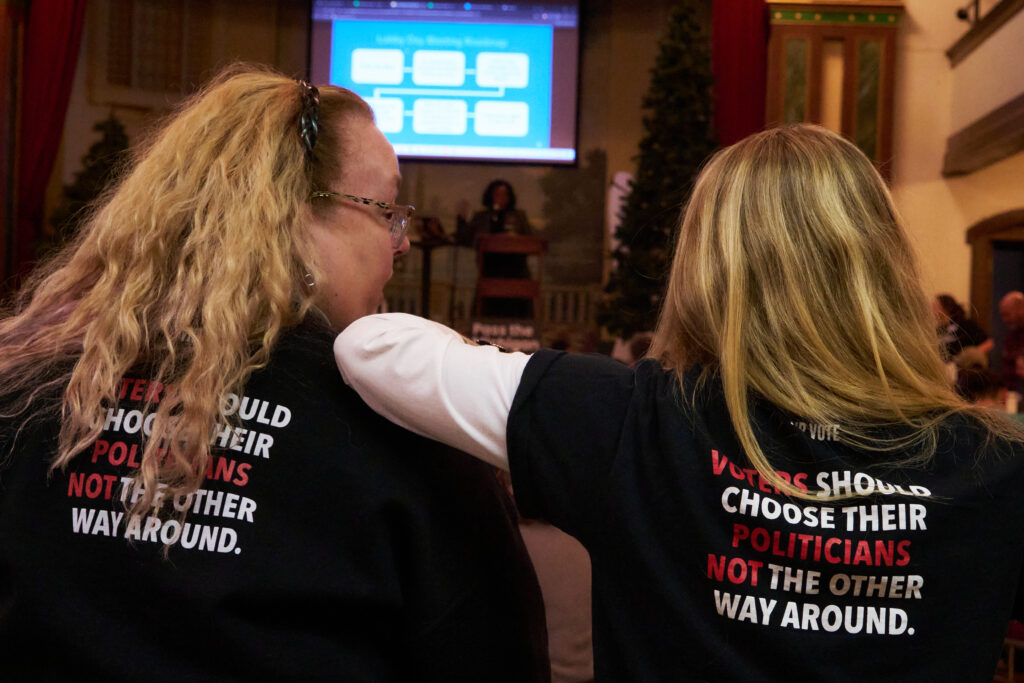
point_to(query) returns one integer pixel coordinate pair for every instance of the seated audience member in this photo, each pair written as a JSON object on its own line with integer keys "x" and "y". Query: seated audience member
{"x": 189, "y": 492}
{"x": 1011, "y": 309}
{"x": 788, "y": 488}
{"x": 960, "y": 334}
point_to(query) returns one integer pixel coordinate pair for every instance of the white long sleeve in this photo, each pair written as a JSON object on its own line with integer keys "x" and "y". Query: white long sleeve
{"x": 426, "y": 378}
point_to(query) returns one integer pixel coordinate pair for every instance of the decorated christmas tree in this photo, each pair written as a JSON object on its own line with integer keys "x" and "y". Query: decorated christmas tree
{"x": 677, "y": 139}
{"x": 99, "y": 167}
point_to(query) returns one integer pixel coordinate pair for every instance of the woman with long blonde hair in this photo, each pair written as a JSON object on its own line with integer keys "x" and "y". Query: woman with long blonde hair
{"x": 787, "y": 488}
{"x": 188, "y": 491}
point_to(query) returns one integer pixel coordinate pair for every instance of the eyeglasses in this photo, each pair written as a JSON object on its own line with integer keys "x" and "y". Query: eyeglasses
{"x": 397, "y": 215}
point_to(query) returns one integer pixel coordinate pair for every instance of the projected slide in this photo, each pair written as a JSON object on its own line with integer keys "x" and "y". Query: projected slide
{"x": 485, "y": 88}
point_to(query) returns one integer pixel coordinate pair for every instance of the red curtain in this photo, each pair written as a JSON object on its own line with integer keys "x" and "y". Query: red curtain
{"x": 739, "y": 63}
{"x": 53, "y": 35}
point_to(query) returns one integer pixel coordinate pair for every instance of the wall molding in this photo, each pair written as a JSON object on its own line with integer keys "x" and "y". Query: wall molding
{"x": 982, "y": 29}
{"x": 1004, "y": 227}
{"x": 843, "y": 5}
{"x": 994, "y": 225}
{"x": 993, "y": 137}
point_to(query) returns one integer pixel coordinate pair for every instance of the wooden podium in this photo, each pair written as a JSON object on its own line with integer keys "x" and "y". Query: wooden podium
{"x": 507, "y": 287}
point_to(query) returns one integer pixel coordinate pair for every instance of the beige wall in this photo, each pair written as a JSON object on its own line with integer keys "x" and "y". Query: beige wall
{"x": 619, "y": 53}
{"x": 938, "y": 211}
{"x": 991, "y": 75}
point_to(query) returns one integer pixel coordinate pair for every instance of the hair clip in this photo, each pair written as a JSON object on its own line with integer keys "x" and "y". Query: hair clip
{"x": 309, "y": 116}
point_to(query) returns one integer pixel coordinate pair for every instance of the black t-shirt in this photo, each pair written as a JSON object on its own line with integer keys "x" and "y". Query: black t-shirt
{"x": 703, "y": 572}
{"x": 325, "y": 544}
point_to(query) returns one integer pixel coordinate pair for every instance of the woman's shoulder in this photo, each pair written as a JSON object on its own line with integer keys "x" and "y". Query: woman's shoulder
{"x": 301, "y": 367}
{"x": 696, "y": 383}
{"x": 311, "y": 333}
{"x": 592, "y": 378}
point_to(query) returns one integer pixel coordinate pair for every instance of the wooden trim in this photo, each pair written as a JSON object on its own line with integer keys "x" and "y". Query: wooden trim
{"x": 773, "y": 94}
{"x": 510, "y": 244}
{"x": 1008, "y": 226}
{"x": 982, "y": 253}
{"x": 981, "y": 30}
{"x": 991, "y": 226}
{"x": 889, "y": 20}
{"x": 772, "y": 83}
{"x": 995, "y": 136}
{"x": 851, "y": 60}
{"x": 851, "y": 35}
{"x": 886, "y": 105}
{"x": 841, "y": 5}
{"x": 775, "y": 100}
{"x": 810, "y": 13}
{"x": 812, "y": 102}
{"x": 982, "y": 302}
{"x": 981, "y": 282}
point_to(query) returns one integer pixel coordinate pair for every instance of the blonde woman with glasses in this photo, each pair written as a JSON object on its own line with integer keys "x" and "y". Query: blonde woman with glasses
{"x": 188, "y": 491}
{"x": 788, "y": 488}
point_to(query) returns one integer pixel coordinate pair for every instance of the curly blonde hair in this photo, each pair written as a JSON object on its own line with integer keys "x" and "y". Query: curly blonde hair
{"x": 794, "y": 281}
{"x": 189, "y": 268}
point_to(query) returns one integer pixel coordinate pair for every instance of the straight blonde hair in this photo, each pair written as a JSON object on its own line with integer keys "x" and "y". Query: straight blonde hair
{"x": 188, "y": 270}
{"x": 793, "y": 280}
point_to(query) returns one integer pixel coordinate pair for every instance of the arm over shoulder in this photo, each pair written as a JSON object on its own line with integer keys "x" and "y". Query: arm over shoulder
{"x": 428, "y": 379}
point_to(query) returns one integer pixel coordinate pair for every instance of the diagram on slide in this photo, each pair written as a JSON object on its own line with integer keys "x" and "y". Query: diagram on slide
{"x": 438, "y": 83}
